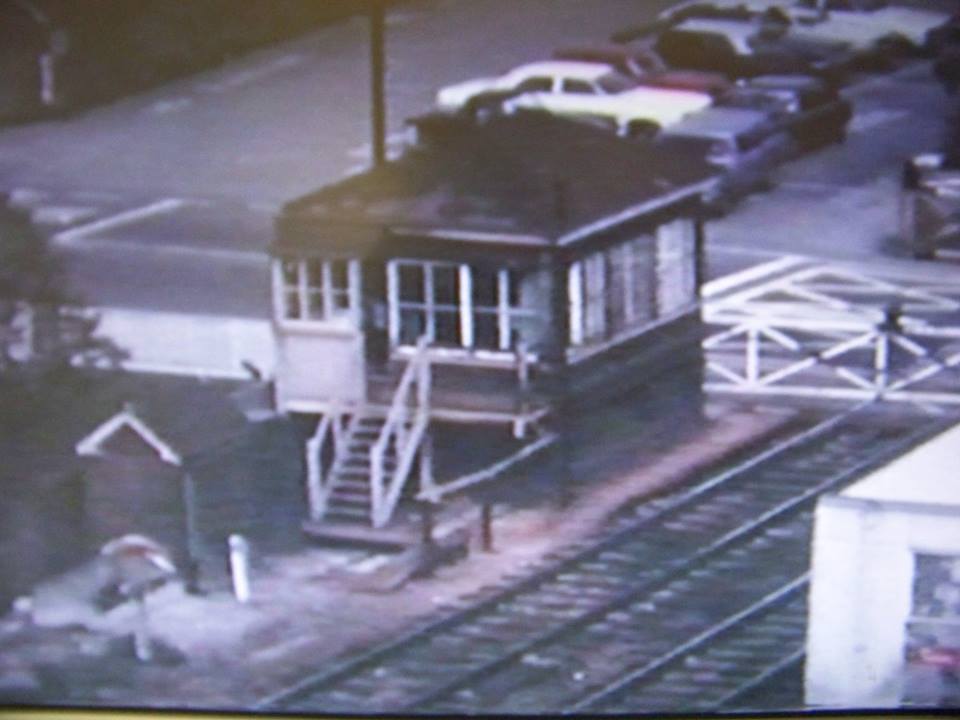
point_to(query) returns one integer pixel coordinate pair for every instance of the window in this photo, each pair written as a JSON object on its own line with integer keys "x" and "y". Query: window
{"x": 578, "y": 87}
{"x": 536, "y": 84}
{"x": 456, "y": 305}
{"x": 626, "y": 286}
{"x": 316, "y": 289}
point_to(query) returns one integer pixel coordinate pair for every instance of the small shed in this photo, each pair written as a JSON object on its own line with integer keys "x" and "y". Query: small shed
{"x": 884, "y": 608}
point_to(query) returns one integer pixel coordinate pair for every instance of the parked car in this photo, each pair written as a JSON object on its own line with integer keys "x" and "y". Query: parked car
{"x": 810, "y": 110}
{"x": 634, "y": 110}
{"x": 564, "y": 87}
{"x": 647, "y": 68}
{"x": 741, "y": 49}
{"x": 747, "y": 144}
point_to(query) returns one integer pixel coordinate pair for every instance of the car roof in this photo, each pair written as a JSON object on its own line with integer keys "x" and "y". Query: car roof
{"x": 566, "y": 68}
{"x": 733, "y": 28}
{"x": 717, "y": 122}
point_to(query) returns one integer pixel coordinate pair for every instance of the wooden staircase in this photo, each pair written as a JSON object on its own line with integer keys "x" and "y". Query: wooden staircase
{"x": 373, "y": 455}
{"x": 350, "y": 497}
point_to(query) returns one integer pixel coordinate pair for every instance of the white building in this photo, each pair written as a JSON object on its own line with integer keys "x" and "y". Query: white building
{"x": 884, "y": 627}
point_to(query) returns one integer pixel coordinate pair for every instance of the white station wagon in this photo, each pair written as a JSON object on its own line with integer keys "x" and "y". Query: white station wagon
{"x": 583, "y": 89}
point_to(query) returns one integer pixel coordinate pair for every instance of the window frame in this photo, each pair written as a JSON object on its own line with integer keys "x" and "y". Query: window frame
{"x": 302, "y": 292}
{"x": 465, "y": 308}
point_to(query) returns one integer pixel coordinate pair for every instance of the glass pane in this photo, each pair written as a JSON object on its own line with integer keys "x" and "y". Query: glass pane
{"x": 341, "y": 300}
{"x": 289, "y": 271}
{"x": 447, "y": 328}
{"x": 291, "y": 305}
{"x": 413, "y": 324}
{"x": 485, "y": 331}
{"x": 338, "y": 272}
{"x": 446, "y": 285}
{"x": 314, "y": 273}
{"x": 484, "y": 287}
{"x": 315, "y": 305}
{"x": 411, "y": 283}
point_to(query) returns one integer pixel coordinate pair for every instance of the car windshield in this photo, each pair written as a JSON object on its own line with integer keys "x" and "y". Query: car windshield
{"x": 613, "y": 83}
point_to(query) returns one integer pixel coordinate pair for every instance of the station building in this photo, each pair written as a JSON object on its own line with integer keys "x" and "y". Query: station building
{"x": 884, "y": 613}
{"x": 504, "y": 266}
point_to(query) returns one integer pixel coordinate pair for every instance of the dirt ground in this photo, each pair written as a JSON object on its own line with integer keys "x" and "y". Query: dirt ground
{"x": 321, "y": 605}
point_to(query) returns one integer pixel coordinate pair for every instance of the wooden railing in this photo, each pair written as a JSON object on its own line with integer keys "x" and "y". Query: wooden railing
{"x": 403, "y": 431}
{"x": 320, "y": 483}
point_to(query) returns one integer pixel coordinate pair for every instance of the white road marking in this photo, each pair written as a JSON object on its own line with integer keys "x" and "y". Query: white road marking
{"x": 162, "y": 107}
{"x": 749, "y": 275}
{"x": 127, "y": 217}
{"x": 245, "y": 77}
{"x": 61, "y": 214}
{"x": 25, "y": 197}
{"x": 814, "y": 186}
{"x": 870, "y": 119}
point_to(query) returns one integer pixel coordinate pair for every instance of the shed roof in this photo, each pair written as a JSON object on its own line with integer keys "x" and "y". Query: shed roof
{"x": 529, "y": 175}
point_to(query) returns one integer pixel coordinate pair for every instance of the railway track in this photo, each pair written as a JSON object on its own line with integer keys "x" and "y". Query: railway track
{"x": 640, "y": 620}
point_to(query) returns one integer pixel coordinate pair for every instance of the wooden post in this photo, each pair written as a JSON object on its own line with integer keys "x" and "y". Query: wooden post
{"x": 378, "y": 101}
{"x": 426, "y": 523}
{"x": 700, "y": 256}
{"x": 426, "y": 461}
{"x": 486, "y": 526}
{"x": 192, "y": 575}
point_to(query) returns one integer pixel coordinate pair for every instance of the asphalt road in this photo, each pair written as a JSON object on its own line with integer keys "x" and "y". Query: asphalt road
{"x": 196, "y": 169}
{"x": 165, "y": 200}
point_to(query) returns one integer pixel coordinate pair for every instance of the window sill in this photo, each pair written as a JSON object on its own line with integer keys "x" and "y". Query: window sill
{"x": 493, "y": 359}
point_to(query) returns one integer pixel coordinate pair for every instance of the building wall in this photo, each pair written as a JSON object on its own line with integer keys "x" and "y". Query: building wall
{"x": 861, "y": 594}
{"x": 198, "y": 345}
{"x": 319, "y": 365}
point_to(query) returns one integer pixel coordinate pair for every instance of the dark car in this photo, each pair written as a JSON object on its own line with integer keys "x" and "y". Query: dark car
{"x": 647, "y": 68}
{"x": 742, "y": 50}
{"x": 812, "y": 111}
{"x": 747, "y": 144}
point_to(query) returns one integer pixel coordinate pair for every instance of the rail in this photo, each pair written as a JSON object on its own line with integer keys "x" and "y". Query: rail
{"x": 319, "y": 483}
{"x": 403, "y": 430}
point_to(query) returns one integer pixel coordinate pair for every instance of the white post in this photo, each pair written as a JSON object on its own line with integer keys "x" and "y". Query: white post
{"x": 466, "y": 306}
{"x": 881, "y": 361}
{"x": 753, "y": 355}
{"x": 47, "y": 94}
{"x": 240, "y": 567}
{"x": 142, "y": 646}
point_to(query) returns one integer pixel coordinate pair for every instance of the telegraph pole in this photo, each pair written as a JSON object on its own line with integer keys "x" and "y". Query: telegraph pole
{"x": 378, "y": 106}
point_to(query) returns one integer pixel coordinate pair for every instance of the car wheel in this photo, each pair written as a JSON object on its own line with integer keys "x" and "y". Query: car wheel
{"x": 483, "y": 107}
{"x": 642, "y": 130}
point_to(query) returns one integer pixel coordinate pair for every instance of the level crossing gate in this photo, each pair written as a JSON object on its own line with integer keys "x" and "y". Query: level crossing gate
{"x": 837, "y": 331}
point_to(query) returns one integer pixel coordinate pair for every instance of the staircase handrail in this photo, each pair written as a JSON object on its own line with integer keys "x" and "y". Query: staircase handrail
{"x": 417, "y": 373}
{"x": 320, "y": 485}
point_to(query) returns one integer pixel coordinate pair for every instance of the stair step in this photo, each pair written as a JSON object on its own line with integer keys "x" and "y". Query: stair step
{"x": 352, "y": 489}
{"x": 348, "y": 513}
{"x": 339, "y": 502}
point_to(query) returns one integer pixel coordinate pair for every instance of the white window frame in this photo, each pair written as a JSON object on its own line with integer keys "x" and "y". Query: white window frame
{"x": 505, "y": 313}
{"x": 329, "y": 311}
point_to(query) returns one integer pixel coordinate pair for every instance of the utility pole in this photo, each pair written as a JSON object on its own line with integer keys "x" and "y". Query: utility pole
{"x": 378, "y": 106}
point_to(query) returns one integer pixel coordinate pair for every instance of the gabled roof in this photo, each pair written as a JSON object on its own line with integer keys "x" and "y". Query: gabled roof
{"x": 531, "y": 174}
{"x": 95, "y": 444}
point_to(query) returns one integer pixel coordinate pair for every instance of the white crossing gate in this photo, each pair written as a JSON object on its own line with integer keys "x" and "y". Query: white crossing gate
{"x": 838, "y": 331}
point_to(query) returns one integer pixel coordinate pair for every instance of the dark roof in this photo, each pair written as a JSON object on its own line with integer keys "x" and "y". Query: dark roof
{"x": 193, "y": 416}
{"x": 529, "y": 173}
